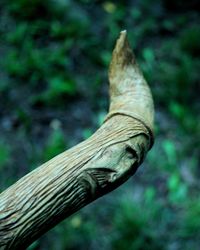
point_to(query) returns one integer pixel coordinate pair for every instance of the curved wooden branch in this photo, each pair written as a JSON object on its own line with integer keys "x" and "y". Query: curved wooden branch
{"x": 66, "y": 183}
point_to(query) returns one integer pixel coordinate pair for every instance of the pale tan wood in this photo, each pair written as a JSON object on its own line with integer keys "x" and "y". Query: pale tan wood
{"x": 69, "y": 181}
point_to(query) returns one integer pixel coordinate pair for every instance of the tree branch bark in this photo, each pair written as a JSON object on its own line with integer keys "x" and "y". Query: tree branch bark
{"x": 69, "y": 181}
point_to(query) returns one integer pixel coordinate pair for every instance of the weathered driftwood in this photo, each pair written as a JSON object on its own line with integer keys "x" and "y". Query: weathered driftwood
{"x": 66, "y": 183}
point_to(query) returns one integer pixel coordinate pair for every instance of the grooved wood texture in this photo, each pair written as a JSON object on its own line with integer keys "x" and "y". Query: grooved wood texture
{"x": 69, "y": 181}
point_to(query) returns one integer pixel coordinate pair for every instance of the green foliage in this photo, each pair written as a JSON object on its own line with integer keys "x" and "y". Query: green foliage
{"x": 4, "y": 154}
{"x": 55, "y": 144}
{"x": 177, "y": 189}
{"x": 187, "y": 120}
{"x": 58, "y": 89}
{"x": 150, "y": 194}
{"x": 191, "y": 220}
{"x": 134, "y": 231}
{"x": 32, "y": 9}
{"x": 76, "y": 232}
{"x": 54, "y": 58}
{"x": 170, "y": 153}
{"x": 190, "y": 40}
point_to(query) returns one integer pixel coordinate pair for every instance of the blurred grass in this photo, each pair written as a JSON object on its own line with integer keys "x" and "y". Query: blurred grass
{"x": 53, "y": 92}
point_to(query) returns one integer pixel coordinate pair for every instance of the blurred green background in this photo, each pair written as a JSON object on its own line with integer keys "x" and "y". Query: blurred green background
{"x": 54, "y": 57}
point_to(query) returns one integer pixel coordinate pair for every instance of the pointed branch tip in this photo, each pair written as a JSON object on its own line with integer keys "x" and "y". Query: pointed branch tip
{"x": 121, "y": 41}
{"x": 123, "y": 32}
{"x": 122, "y": 55}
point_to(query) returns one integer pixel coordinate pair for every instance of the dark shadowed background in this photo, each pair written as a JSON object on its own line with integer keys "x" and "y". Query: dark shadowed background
{"x": 54, "y": 57}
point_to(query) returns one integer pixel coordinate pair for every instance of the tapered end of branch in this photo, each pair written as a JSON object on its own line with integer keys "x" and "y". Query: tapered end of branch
{"x": 122, "y": 56}
{"x": 129, "y": 91}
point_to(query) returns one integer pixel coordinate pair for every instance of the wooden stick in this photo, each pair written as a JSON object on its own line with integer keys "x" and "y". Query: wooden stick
{"x": 69, "y": 181}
